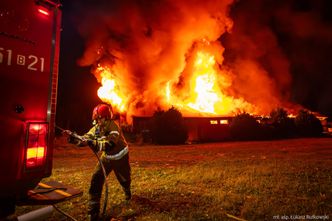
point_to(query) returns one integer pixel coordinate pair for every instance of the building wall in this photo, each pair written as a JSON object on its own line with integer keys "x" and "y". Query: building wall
{"x": 200, "y": 129}
{"x": 208, "y": 129}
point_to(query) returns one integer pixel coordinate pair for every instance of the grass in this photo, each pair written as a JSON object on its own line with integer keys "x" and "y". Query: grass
{"x": 214, "y": 181}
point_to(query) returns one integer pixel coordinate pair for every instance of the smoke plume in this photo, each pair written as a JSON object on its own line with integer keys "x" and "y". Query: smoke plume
{"x": 148, "y": 43}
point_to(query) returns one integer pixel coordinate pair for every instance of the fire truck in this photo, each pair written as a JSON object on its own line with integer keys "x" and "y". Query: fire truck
{"x": 29, "y": 57}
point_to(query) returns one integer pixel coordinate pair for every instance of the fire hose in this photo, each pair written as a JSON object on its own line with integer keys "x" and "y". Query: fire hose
{"x": 83, "y": 139}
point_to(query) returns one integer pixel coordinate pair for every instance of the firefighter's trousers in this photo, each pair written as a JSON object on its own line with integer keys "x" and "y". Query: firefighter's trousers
{"x": 122, "y": 172}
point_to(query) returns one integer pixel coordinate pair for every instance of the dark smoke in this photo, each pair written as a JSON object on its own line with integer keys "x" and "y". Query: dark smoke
{"x": 279, "y": 51}
{"x": 292, "y": 39}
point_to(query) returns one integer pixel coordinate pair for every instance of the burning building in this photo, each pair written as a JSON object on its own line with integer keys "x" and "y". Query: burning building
{"x": 188, "y": 54}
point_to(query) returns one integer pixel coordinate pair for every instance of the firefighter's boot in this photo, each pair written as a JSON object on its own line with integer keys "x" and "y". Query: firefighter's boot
{"x": 127, "y": 193}
{"x": 94, "y": 217}
{"x": 93, "y": 210}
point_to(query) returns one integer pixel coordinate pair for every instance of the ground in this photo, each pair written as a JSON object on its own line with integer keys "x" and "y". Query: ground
{"x": 256, "y": 180}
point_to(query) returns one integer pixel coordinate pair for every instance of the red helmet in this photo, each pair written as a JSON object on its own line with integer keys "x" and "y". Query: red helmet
{"x": 102, "y": 111}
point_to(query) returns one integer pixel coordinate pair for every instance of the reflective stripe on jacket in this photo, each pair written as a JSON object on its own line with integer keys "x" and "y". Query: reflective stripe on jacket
{"x": 110, "y": 133}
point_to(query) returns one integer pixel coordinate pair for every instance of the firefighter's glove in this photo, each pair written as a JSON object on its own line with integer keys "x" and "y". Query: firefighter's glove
{"x": 93, "y": 145}
{"x": 108, "y": 147}
{"x": 71, "y": 139}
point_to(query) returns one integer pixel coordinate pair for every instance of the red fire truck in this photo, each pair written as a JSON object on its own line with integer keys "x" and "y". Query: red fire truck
{"x": 29, "y": 57}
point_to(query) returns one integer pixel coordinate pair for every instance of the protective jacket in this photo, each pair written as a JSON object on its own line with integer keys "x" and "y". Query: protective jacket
{"x": 109, "y": 139}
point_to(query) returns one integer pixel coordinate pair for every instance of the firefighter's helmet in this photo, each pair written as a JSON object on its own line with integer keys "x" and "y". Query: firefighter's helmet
{"x": 102, "y": 111}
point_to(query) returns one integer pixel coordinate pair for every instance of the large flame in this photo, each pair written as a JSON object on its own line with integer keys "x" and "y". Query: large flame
{"x": 205, "y": 95}
{"x": 150, "y": 55}
{"x": 205, "y": 84}
{"x": 110, "y": 91}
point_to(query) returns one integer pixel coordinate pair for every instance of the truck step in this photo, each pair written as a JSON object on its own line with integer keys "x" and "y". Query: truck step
{"x": 51, "y": 192}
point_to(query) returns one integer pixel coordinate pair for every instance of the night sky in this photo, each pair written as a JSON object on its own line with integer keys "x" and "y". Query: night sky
{"x": 302, "y": 30}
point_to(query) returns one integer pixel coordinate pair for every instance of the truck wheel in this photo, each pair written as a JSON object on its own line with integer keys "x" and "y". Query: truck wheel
{"x": 11, "y": 218}
{"x": 7, "y": 208}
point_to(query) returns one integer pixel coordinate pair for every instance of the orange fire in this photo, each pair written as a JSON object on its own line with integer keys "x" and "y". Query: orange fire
{"x": 172, "y": 54}
{"x": 110, "y": 91}
{"x": 205, "y": 95}
{"x": 204, "y": 84}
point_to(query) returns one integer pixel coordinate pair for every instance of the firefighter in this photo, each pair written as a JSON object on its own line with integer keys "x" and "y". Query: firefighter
{"x": 106, "y": 136}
